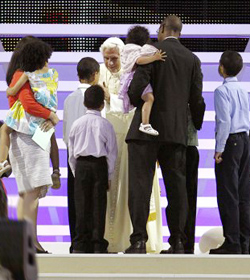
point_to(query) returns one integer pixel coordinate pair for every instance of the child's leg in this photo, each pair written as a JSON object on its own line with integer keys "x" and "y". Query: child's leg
{"x": 4, "y": 142}
{"x": 146, "y": 110}
{"x": 54, "y": 156}
{"x": 4, "y": 149}
{"x": 148, "y": 99}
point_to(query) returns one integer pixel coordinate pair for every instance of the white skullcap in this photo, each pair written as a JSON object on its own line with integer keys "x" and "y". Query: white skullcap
{"x": 112, "y": 42}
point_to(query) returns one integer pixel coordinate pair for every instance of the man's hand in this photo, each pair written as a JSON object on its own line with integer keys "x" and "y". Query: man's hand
{"x": 46, "y": 125}
{"x": 217, "y": 157}
{"x": 106, "y": 93}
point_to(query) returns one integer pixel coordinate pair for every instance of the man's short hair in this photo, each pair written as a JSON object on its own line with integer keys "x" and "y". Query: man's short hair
{"x": 232, "y": 62}
{"x": 87, "y": 67}
{"x": 94, "y": 97}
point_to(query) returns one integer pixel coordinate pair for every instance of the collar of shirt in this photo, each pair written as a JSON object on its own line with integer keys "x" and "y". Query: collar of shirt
{"x": 170, "y": 37}
{"x": 83, "y": 85}
{"x": 93, "y": 112}
{"x": 230, "y": 79}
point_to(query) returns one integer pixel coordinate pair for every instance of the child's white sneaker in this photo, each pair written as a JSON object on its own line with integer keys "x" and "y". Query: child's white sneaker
{"x": 147, "y": 128}
{"x": 4, "y": 168}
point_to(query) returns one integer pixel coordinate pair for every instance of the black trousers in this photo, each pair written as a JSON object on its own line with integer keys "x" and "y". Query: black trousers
{"x": 91, "y": 184}
{"x": 192, "y": 163}
{"x": 233, "y": 191}
{"x": 71, "y": 203}
{"x": 172, "y": 159}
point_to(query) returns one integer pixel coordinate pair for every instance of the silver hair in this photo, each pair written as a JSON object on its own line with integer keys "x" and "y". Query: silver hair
{"x": 111, "y": 43}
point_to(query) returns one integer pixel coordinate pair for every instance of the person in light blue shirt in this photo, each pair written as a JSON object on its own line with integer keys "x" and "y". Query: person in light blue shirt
{"x": 232, "y": 164}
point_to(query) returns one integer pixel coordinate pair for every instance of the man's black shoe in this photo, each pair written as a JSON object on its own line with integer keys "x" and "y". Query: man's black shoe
{"x": 175, "y": 248}
{"x": 139, "y": 247}
{"x": 223, "y": 250}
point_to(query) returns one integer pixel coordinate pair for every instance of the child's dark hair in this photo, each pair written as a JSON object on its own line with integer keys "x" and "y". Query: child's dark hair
{"x": 232, "y": 62}
{"x": 86, "y": 68}
{"x": 34, "y": 55}
{"x": 138, "y": 35}
{"x": 94, "y": 97}
{"x": 14, "y": 64}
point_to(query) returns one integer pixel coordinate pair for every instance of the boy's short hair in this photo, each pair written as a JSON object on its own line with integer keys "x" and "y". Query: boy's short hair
{"x": 138, "y": 35}
{"x": 94, "y": 97}
{"x": 87, "y": 67}
{"x": 35, "y": 54}
{"x": 232, "y": 62}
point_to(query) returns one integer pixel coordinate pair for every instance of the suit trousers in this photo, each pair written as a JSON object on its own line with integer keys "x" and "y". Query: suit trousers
{"x": 71, "y": 203}
{"x": 192, "y": 163}
{"x": 142, "y": 159}
{"x": 233, "y": 191}
{"x": 91, "y": 184}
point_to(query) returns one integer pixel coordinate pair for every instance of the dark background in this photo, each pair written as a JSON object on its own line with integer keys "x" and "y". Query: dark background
{"x": 127, "y": 12}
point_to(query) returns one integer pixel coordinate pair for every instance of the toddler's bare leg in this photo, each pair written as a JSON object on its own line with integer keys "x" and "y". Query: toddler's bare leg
{"x": 148, "y": 99}
{"x": 4, "y": 142}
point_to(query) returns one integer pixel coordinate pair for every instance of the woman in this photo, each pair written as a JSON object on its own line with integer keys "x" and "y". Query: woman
{"x": 118, "y": 224}
{"x": 30, "y": 163}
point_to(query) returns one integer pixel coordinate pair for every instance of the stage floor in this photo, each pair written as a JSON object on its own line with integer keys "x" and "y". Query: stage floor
{"x": 149, "y": 266}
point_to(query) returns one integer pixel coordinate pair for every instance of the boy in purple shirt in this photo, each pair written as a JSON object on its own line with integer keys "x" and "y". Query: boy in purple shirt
{"x": 232, "y": 164}
{"x": 92, "y": 156}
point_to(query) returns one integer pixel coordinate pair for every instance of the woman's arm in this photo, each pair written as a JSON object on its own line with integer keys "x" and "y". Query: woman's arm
{"x": 27, "y": 99}
{"x": 14, "y": 90}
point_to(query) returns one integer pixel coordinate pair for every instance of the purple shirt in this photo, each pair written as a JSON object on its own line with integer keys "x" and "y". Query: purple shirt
{"x": 92, "y": 135}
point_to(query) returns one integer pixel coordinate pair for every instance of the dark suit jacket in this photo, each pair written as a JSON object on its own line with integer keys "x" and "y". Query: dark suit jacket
{"x": 176, "y": 83}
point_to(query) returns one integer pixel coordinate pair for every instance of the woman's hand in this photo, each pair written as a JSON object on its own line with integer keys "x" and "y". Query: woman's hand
{"x": 46, "y": 125}
{"x": 54, "y": 118}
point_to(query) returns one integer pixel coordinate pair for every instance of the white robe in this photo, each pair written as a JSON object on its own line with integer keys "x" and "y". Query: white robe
{"x": 118, "y": 224}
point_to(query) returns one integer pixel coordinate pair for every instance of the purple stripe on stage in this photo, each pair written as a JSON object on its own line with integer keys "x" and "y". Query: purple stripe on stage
{"x": 209, "y": 100}
{"x": 66, "y": 72}
{"x": 206, "y": 159}
{"x": 53, "y": 216}
{"x": 206, "y": 187}
{"x": 54, "y": 239}
{"x": 63, "y": 158}
{"x": 204, "y": 217}
{"x": 4, "y": 105}
{"x": 207, "y": 131}
{"x": 210, "y": 72}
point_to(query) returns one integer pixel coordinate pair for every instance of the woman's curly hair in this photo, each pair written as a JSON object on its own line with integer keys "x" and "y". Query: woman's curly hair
{"x": 34, "y": 55}
{"x": 138, "y": 35}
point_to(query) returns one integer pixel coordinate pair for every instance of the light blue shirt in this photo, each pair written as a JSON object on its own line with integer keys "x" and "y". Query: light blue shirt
{"x": 92, "y": 135}
{"x": 232, "y": 111}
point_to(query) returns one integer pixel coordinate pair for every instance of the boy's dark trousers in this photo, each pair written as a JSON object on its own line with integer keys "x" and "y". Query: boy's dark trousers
{"x": 91, "y": 184}
{"x": 233, "y": 192}
{"x": 71, "y": 203}
{"x": 192, "y": 163}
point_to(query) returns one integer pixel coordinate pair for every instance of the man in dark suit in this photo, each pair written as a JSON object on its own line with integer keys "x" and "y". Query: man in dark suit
{"x": 176, "y": 83}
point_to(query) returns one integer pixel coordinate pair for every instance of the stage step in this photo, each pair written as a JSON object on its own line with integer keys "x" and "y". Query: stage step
{"x": 119, "y": 266}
